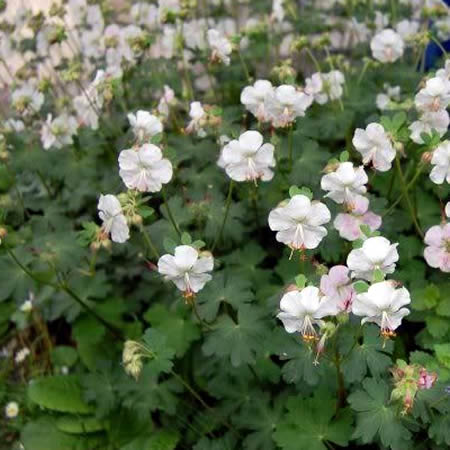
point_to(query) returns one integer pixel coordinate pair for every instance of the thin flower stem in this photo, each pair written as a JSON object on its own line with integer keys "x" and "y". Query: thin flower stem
{"x": 227, "y": 210}
{"x": 148, "y": 241}
{"x": 330, "y": 61}
{"x": 407, "y": 198}
{"x": 290, "y": 146}
{"x": 244, "y": 66}
{"x": 408, "y": 187}
{"x": 64, "y": 287}
{"x": 363, "y": 72}
{"x": 313, "y": 59}
{"x": 436, "y": 41}
{"x": 169, "y": 213}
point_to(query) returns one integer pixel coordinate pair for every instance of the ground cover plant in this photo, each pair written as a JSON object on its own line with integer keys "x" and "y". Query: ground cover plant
{"x": 225, "y": 225}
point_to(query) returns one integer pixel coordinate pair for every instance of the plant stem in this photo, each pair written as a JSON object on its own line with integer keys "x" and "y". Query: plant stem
{"x": 290, "y": 146}
{"x": 407, "y": 198}
{"x": 244, "y": 66}
{"x": 340, "y": 380}
{"x": 313, "y": 59}
{"x": 408, "y": 187}
{"x": 148, "y": 241}
{"x": 227, "y": 210}
{"x": 169, "y": 213}
{"x": 64, "y": 287}
{"x": 363, "y": 72}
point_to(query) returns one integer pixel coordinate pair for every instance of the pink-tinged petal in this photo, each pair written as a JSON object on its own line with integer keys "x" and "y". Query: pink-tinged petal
{"x": 348, "y": 226}
{"x": 373, "y": 220}
{"x": 437, "y": 257}
{"x": 339, "y": 275}
{"x": 435, "y": 236}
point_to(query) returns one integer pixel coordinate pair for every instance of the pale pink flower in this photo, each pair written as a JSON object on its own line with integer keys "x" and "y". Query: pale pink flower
{"x": 337, "y": 286}
{"x": 349, "y": 224}
{"x": 437, "y": 254}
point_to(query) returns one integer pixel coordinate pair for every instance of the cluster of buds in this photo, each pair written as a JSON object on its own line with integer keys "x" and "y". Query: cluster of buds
{"x": 408, "y": 380}
{"x": 130, "y": 201}
{"x": 285, "y": 72}
{"x": 132, "y": 358}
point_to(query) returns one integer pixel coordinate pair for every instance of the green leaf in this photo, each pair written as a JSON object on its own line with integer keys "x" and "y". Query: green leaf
{"x": 79, "y": 425}
{"x": 369, "y": 353}
{"x": 310, "y": 424}
{"x": 162, "y": 354}
{"x": 58, "y": 393}
{"x": 241, "y": 340}
{"x": 294, "y": 190}
{"x": 145, "y": 211}
{"x": 169, "y": 245}
{"x": 225, "y": 287}
{"x": 158, "y": 440}
{"x": 64, "y": 355}
{"x": 378, "y": 276}
{"x": 176, "y": 325}
{"x": 443, "y": 354}
{"x": 375, "y": 418}
{"x": 361, "y": 287}
{"x": 344, "y": 156}
{"x": 186, "y": 239}
{"x": 300, "y": 281}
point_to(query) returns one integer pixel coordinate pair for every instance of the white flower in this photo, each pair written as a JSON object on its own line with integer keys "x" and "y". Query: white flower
{"x": 325, "y": 86}
{"x": 445, "y": 72}
{"x": 14, "y": 125}
{"x": 253, "y": 97}
{"x": 376, "y": 253}
{"x": 277, "y": 11}
{"x": 144, "y": 168}
{"x": 299, "y": 222}
{"x": 114, "y": 221}
{"x": 345, "y": 184}
{"x": 375, "y": 146}
{"x": 145, "y": 125}
{"x": 21, "y": 355}
{"x": 392, "y": 93}
{"x": 387, "y": 46}
{"x": 166, "y": 101}
{"x": 407, "y": 29}
{"x": 220, "y": 46}
{"x": 27, "y": 99}
{"x": 58, "y": 132}
{"x": 301, "y": 310}
{"x": 427, "y": 122}
{"x": 434, "y": 96}
{"x": 248, "y": 158}
{"x": 382, "y": 304}
{"x": 197, "y": 115}
{"x": 187, "y": 269}
{"x": 12, "y": 410}
{"x": 441, "y": 162}
{"x": 447, "y": 209}
{"x": 285, "y": 104}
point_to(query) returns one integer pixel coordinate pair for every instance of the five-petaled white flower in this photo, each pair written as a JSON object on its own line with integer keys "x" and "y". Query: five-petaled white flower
{"x": 145, "y": 125}
{"x": 435, "y": 96}
{"x": 285, "y": 103}
{"x": 301, "y": 310}
{"x": 187, "y": 269}
{"x": 299, "y": 222}
{"x": 427, "y": 122}
{"x": 376, "y": 253}
{"x": 114, "y": 221}
{"x": 325, "y": 86}
{"x": 220, "y": 46}
{"x": 375, "y": 146}
{"x": 144, "y": 168}
{"x": 345, "y": 184}
{"x": 248, "y": 158}
{"x": 27, "y": 99}
{"x": 441, "y": 162}
{"x": 382, "y": 304}
{"x": 387, "y": 46}
{"x": 253, "y": 97}
{"x": 58, "y": 132}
